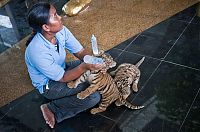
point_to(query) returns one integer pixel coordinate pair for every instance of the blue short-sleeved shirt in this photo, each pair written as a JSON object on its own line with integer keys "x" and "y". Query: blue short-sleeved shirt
{"x": 43, "y": 60}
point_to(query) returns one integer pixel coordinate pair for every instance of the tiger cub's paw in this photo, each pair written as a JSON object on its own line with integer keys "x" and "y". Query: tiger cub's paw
{"x": 71, "y": 84}
{"x": 96, "y": 110}
{"x": 82, "y": 95}
{"x": 134, "y": 87}
{"x": 118, "y": 103}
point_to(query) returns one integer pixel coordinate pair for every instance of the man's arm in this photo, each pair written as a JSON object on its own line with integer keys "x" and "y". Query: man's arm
{"x": 82, "y": 53}
{"x": 78, "y": 71}
{"x": 74, "y": 73}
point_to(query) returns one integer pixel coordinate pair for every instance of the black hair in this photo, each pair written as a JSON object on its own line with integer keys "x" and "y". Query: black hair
{"x": 38, "y": 15}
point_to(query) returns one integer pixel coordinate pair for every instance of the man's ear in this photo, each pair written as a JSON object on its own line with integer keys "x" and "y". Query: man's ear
{"x": 45, "y": 27}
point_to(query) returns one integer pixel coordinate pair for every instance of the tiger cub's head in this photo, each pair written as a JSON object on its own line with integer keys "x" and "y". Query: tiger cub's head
{"x": 108, "y": 60}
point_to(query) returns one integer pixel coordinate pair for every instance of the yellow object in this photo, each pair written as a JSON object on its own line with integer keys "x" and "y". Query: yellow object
{"x": 73, "y": 7}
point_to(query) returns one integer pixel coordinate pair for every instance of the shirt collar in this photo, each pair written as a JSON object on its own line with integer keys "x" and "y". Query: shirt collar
{"x": 47, "y": 43}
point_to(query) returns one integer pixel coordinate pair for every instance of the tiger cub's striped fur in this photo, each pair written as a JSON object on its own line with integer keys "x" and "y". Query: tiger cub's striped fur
{"x": 125, "y": 75}
{"x": 105, "y": 84}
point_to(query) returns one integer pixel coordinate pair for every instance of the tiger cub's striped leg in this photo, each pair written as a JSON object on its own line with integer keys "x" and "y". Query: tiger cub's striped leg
{"x": 97, "y": 110}
{"x": 118, "y": 102}
{"x": 135, "y": 83}
{"x": 91, "y": 89}
{"x": 71, "y": 84}
{"x": 124, "y": 93}
{"x": 105, "y": 102}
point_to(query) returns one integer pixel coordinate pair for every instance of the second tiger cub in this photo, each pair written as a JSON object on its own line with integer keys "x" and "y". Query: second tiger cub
{"x": 125, "y": 75}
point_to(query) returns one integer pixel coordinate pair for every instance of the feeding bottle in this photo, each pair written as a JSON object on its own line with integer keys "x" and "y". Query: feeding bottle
{"x": 92, "y": 59}
{"x": 94, "y": 45}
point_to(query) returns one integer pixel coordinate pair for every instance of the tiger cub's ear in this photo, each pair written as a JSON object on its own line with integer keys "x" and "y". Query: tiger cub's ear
{"x": 101, "y": 52}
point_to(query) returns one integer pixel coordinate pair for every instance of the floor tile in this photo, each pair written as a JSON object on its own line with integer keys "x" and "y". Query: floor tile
{"x": 186, "y": 50}
{"x": 85, "y": 122}
{"x": 115, "y": 53}
{"x": 151, "y": 45}
{"x": 157, "y": 40}
{"x": 169, "y": 29}
{"x": 18, "y": 18}
{"x": 126, "y": 43}
{"x": 20, "y": 113}
{"x": 196, "y": 20}
{"x": 192, "y": 120}
{"x": 11, "y": 124}
{"x": 158, "y": 124}
{"x": 167, "y": 96}
{"x": 186, "y": 15}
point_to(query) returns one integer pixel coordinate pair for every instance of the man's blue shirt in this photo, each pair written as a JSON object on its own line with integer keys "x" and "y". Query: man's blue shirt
{"x": 43, "y": 60}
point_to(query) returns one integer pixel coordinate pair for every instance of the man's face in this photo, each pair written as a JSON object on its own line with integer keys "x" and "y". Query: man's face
{"x": 55, "y": 21}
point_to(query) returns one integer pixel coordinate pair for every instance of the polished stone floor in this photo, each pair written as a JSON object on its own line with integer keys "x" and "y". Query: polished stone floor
{"x": 169, "y": 86}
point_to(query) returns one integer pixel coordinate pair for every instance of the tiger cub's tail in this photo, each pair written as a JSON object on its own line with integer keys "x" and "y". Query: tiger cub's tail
{"x": 139, "y": 62}
{"x": 131, "y": 106}
{"x": 122, "y": 101}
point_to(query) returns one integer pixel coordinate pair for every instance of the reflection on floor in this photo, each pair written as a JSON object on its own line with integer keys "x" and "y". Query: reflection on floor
{"x": 169, "y": 86}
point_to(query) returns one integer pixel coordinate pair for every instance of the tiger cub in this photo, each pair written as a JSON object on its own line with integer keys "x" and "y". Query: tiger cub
{"x": 104, "y": 83}
{"x": 125, "y": 75}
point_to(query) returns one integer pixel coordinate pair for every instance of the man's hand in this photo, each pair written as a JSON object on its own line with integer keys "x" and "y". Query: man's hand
{"x": 93, "y": 67}
{"x": 101, "y": 67}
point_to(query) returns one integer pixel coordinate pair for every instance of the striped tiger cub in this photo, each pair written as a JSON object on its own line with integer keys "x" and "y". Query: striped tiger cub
{"x": 104, "y": 83}
{"x": 125, "y": 75}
